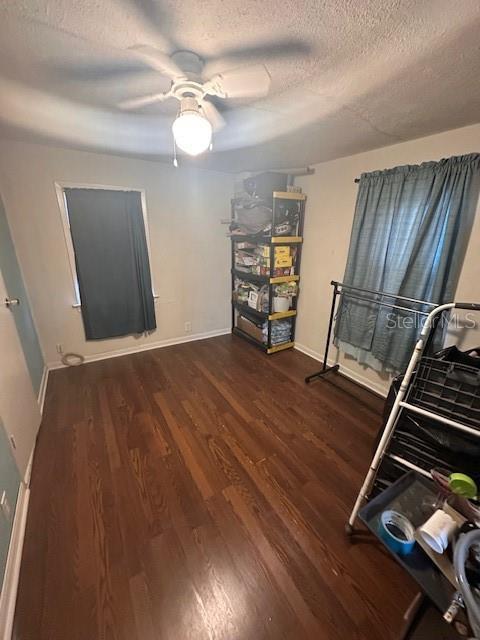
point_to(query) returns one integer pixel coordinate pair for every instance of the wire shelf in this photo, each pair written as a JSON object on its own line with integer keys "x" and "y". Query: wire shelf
{"x": 450, "y": 389}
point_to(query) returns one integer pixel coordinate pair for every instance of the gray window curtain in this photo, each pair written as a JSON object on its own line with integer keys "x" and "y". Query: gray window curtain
{"x": 111, "y": 257}
{"x": 410, "y": 232}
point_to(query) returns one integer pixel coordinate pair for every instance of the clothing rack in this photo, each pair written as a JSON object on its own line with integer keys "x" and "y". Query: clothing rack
{"x": 340, "y": 288}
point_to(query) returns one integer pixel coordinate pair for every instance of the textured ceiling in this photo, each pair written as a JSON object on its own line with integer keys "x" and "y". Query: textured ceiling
{"x": 347, "y": 75}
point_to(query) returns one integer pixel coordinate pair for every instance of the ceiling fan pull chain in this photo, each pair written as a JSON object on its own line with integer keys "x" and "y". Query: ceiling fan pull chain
{"x": 175, "y": 161}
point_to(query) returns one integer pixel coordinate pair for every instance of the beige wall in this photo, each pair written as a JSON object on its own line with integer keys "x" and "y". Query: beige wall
{"x": 331, "y": 195}
{"x": 190, "y": 253}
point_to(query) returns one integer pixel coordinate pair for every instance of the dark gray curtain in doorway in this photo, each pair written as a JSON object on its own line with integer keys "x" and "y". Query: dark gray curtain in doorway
{"x": 409, "y": 236}
{"x": 111, "y": 256}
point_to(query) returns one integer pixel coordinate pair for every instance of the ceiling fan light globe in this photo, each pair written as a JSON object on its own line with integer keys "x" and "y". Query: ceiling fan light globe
{"x": 192, "y": 133}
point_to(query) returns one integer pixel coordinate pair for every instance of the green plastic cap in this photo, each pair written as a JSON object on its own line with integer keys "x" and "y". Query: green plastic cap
{"x": 462, "y": 485}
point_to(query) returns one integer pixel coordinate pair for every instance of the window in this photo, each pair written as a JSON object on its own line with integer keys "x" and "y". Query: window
{"x": 409, "y": 236}
{"x": 107, "y": 242}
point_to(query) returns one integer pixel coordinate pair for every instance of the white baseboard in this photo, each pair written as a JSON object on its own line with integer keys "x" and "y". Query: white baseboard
{"x": 8, "y": 596}
{"x": 146, "y": 347}
{"x": 28, "y": 470}
{"x": 377, "y": 388}
{"x": 43, "y": 388}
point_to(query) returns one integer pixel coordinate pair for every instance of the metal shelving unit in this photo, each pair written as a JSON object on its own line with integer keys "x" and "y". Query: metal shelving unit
{"x": 271, "y": 280}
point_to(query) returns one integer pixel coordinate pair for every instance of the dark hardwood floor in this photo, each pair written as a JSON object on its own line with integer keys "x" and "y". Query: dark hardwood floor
{"x": 200, "y": 492}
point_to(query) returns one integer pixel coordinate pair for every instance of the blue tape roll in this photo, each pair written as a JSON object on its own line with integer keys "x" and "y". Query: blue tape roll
{"x": 397, "y": 532}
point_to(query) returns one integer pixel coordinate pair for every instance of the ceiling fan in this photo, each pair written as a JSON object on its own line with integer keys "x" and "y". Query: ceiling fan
{"x": 197, "y": 117}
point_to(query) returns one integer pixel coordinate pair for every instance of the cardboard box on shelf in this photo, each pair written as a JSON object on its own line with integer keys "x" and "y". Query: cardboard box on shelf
{"x": 283, "y": 271}
{"x": 250, "y": 328}
{"x": 279, "y": 251}
{"x": 283, "y": 261}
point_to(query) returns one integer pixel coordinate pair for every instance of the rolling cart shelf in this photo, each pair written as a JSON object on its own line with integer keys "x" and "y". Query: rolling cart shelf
{"x": 284, "y": 255}
{"x": 401, "y": 445}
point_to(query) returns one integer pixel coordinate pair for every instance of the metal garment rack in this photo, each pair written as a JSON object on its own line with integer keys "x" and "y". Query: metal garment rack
{"x": 340, "y": 288}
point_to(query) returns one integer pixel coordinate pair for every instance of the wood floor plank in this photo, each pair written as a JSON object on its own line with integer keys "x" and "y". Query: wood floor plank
{"x": 320, "y": 555}
{"x": 285, "y": 583}
{"x": 271, "y": 615}
{"x": 188, "y": 454}
{"x": 142, "y": 607}
{"x": 199, "y": 492}
{"x": 177, "y": 608}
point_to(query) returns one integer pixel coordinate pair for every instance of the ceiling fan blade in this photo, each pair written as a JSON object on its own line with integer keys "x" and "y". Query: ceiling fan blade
{"x": 283, "y": 48}
{"x": 213, "y": 115}
{"x": 143, "y": 101}
{"x": 245, "y": 82}
{"x": 158, "y": 60}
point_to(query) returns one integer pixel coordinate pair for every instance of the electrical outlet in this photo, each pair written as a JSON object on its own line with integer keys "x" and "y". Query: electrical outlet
{"x": 5, "y": 506}
{"x": 59, "y": 348}
{"x": 188, "y": 327}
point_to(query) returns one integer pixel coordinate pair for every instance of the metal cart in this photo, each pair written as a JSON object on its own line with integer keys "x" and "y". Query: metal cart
{"x": 445, "y": 392}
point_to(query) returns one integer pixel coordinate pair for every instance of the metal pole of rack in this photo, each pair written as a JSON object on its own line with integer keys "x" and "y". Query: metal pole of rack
{"x": 325, "y": 368}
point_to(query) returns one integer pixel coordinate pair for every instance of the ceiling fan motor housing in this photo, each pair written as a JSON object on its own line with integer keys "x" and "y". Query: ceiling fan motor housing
{"x": 189, "y": 104}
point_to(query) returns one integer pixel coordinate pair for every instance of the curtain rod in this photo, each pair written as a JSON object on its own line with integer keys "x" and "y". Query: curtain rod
{"x": 292, "y": 171}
